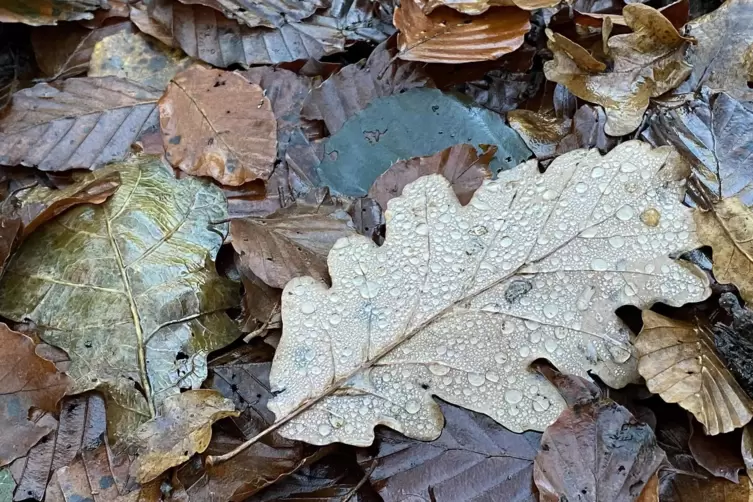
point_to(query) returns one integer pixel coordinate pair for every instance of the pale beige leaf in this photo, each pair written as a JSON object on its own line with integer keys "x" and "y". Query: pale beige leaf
{"x": 728, "y": 228}
{"x": 679, "y": 362}
{"x": 459, "y": 300}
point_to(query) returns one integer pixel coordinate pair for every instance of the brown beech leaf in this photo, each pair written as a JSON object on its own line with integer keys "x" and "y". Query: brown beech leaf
{"x": 679, "y": 362}
{"x": 266, "y": 13}
{"x": 722, "y": 59}
{"x": 26, "y": 381}
{"x": 216, "y": 123}
{"x": 720, "y": 454}
{"x": 291, "y": 242}
{"x": 728, "y": 228}
{"x": 460, "y": 164}
{"x": 650, "y": 491}
{"x": 183, "y": 427}
{"x": 595, "y": 451}
{"x": 698, "y": 489}
{"x": 349, "y": 91}
{"x": 474, "y": 459}
{"x": 76, "y": 123}
{"x": 446, "y": 36}
{"x": 647, "y": 63}
{"x": 82, "y": 423}
{"x": 43, "y": 12}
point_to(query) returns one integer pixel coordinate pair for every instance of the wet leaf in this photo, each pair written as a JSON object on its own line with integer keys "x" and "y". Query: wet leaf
{"x": 350, "y": 90}
{"x": 720, "y": 455}
{"x": 446, "y": 36}
{"x": 647, "y": 63}
{"x": 182, "y": 428}
{"x": 728, "y": 227}
{"x": 458, "y": 296}
{"x": 271, "y": 14}
{"x": 476, "y": 7}
{"x": 596, "y": 451}
{"x": 473, "y": 459}
{"x": 679, "y": 362}
{"x": 722, "y": 59}
{"x": 215, "y": 123}
{"x": 291, "y": 242}
{"x": 42, "y": 12}
{"x": 76, "y": 123}
{"x": 26, "y": 381}
{"x": 7, "y": 484}
{"x": 735, "y": 343}
{"x": 503, "y": 91}
{"x": 141, "y": 274}
{"x": 417, "y": 123}
{"x": 138, "y": 58}
{"x": 460, "y": 164}
{"x": 710, "y": 490}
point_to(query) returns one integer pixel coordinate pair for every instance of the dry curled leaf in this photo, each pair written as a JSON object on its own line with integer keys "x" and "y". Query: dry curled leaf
{"x": 679, "y": 362}
{"x": 26, "y": 381}
{"x": 77, "y": 123}
{"x": 460, "y": 164}
{"x": 728, "y": 228}
{"x": 460, "y": 300}
{"x": 542, "y": 133}
{"x": 647, "y": 63}
{"x": 44, "y": 12}
{"x": 446, "y": 36}
{"x": 216, "y": 123}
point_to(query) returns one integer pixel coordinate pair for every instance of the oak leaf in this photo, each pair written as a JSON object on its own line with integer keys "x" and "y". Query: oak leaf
{"x": 460, "y": 300}
{"x": 679, "y": 362}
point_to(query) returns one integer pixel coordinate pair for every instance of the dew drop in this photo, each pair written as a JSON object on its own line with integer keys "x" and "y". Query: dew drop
{"x": 369, "y": 289}
{"x": 550, "y": 310}
{"x": 412, "y": 406}
{"x": 619, "y": 355}
{"x": 500, "y": 357}
{"x": 550, "y": 345}
{"x": 532, "y": 325}
{"x": 584, "y": 299}
{"x": 616, "y": 242}
{"x": 581, "y": 187}
{"x": 628, "y": 167}
{"x": 549, "y": 195}
{"x": 325, "y": 430}
{"x": 524, "y": 351}
{"x": 476, "y": 379}
{"x": 513, "y": 396}
{"x": 480, "y": 204}
{"x": 625, "y": 213}
{"x": 505, "y": 242}
{"x": 439, "y": 369}
{"x": 597, "y": 172}
{"x": 599, "y": 265}
{"x": 541, "y": 404}
{"x": 492, "y": 377}
{"x": 308, "y": 308}
{"x": 422, "y": 229}
{"x": 335, "y": 319}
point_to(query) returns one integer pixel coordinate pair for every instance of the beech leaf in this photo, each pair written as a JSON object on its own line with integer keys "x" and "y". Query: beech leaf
{"x": 460, "y": 300}
{"x": 128, "y": 289}
{"x": 476, "y": 7}
{"x": 44, "y": 12}
{"x": 271, "y": 14}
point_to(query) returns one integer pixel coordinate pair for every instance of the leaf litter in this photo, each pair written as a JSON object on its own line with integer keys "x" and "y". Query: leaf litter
{"x": 415, "y": 360}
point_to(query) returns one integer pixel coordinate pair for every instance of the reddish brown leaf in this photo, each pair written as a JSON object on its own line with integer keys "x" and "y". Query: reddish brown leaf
{"x": 215, "y": 123}
{"x": 720, "y": 454}
{"x": 26, "y": 381}
{"x": 447, "y": 36}
{"x": 460, "y": 164}
{"x": 43, "y": 12}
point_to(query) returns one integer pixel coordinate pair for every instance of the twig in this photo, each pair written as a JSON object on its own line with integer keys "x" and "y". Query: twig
{"x": 361, "y": 483}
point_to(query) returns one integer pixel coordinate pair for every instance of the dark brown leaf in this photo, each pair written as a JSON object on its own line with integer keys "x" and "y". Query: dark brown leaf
{"x": 270, "y": 13}
{"x": 474, "y": 459}
{"x": 503, "y": 91}
{"x": 215, "y": 123}
{"x": 77, "y": 123}
{"x": 42, "y": 12}
{"x": 720, "y": 454}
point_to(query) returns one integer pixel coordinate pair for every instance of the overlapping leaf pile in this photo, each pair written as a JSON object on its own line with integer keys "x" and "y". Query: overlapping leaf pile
{"x": 299, "y": 250}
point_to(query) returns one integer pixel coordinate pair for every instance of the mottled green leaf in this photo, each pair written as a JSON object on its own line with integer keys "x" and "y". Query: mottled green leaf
{"x": 416, "y": 123}
{"x": 128, "y": 289}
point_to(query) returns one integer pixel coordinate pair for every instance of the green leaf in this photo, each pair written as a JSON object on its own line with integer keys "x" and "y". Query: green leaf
{"x": 416, "y": 123}
{"x": 128, "y": 289}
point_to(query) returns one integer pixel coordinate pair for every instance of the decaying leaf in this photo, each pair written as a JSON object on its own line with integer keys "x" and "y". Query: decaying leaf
{"x": 26, "y": 381}
{"x": 291, "y": 242}
{"x": 722, "y": 59}
{"x": 128, "y": 290}
{"x": 460, "y": 164}
{"x": 76, "y": 123}
{"x": 273, "y": 13}
{"x": 216, "y": 123}
{"x": 460, "y": 300}
{"x": 647, "y": 63}
{"x": 473, "y": 459}
{"x": 735, "y": 343}
{"x": 698, "y": 489}
{"x": 679, "y": 362}
{"x": 595, "y": 451}
{"x": 728, "y": 228}
{"x": 447, "y": 36}
{"x": 350, "y": 90}
{"x": 182, "y": 428}
{"x": 720, "y": 454}
{"x": 43, "y": 12}
{"x": 138, "y": 58}
{"x": 416, "y": 123}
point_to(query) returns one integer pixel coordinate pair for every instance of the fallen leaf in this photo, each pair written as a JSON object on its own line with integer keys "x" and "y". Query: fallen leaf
{"x": 720, "y": 454}
{"x": 471, "y": 7}
{"x": 416, "y": 123}
{"x": 503, "y": 91}
{"x": 350, "y": 90}
{"x": 140, "y": 17}
{"x": 735, "y": 343}
{"x": 215, "y": 123}
{"x": 368, "y": 219}
{"x": 260, "y": 305}
{"x": 709, "y": 490}
{"x": 27, "y": 381}
{"x": 142, "y": 272}
{"x": 722, "y": 59}
{"x": 677, "y": 12}
{"x": 7, "y": 484}
{"x": 136, "y": 57}
{"x": 271, "y": 14}
{"x": 711, "y": 133}
{"x": 395, "y": 336}
{"x": 291, "y": 242}
{"x": 182, "y": 428}
{"x": 650, "y": 492}
{"x": 73, "y": 124}
{"x": 473, "y": 459}
{"x": 42, "y": 12}
{"x": 679, "y": 362}
{"x": 728, "y": 227}
{"x": 463, "y": 167}
{"x": 596, "y": 451}
{"x": 647, "y": 63}
{"x": 446, "y": 36}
